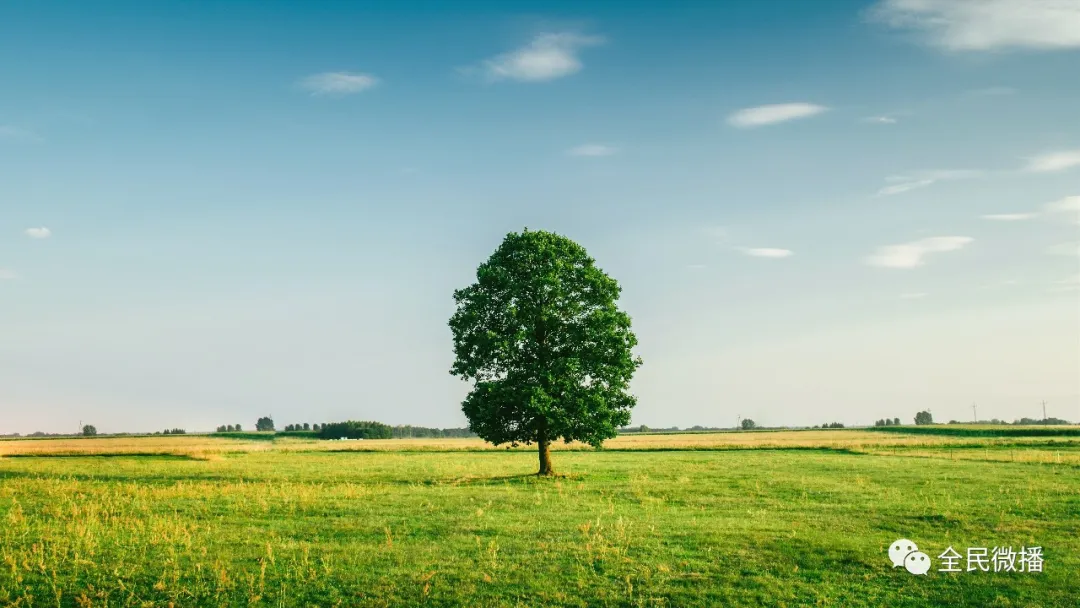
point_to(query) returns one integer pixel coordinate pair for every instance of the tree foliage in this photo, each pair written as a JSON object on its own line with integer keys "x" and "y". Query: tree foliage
{"x": 264, "y": 424}
{"x": 549, "y": 352}
{"x": 924, "y": 417}
{"x": 89, "y": 430}
{"x": 747, "y": 424}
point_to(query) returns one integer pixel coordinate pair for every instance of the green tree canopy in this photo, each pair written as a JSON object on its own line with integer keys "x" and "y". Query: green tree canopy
{"x": 924, "y": 417}
{"x": 264, "y": 424}
{"x": 548, "y": 350}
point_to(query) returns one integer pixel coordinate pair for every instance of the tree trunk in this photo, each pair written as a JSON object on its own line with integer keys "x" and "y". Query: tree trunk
{"x": 545, "y": 456}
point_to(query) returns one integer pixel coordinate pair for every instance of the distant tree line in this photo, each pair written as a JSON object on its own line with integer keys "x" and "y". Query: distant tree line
{"x": 352, "y": 430}
{"x": 830, "y": 425}
{"x": 1021, "y": 422}
{"x": 407, "y": 430}
{"x": 887, "y": 422}
{"x": 671, "y": 429}
{"x": 171, "y": 432}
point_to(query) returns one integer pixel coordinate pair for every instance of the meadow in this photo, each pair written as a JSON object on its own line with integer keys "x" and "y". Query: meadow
{"x": 771, "y": 518}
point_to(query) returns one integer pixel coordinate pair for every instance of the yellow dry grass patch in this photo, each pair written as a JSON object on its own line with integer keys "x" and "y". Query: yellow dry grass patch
{"x": 207, "y": 447}
{"x": 195, "y": 446}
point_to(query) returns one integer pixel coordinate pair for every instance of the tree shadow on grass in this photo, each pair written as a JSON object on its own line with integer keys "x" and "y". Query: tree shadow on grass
{"x": 496, "y": 480}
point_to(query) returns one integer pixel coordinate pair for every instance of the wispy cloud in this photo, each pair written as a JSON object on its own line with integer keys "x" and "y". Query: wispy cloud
{"x": 1009, "y": 217}
{"x": 720, "y": 233}
{"x": 546, "y": 57}
{"x": 880, "y": 120}
{"x": 7, "y": 275}
{"x": 592, "y": 150}
{"x": 1054, "y": 161}
{"x": 1000, "y": 284}
{"x": 1073, "y": 280}
{"x": 985, "y": 25}
{"x": 1068, "y": 284}
{"x": 766, "y": 252}
{"x": 913, "y": 254}
{"x": 914, "y": 295}
{"x": 338, "y": 83}
{"x": 1067, "y": 205}
{"x": 997, "y": 91}
{"x": 902, "y": 187}
{"x": 772, "y": 114}
{"x": 1069, "y": 249}
{"x": 921, "y": 179}
{"x": 14, "y": 133}
{"x": 38, "y": 233}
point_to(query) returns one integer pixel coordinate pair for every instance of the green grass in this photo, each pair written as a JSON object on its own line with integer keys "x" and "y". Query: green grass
{"x": 764, "y": 527}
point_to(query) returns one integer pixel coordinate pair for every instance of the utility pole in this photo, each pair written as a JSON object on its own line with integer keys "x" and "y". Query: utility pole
{"x": 975, "y": 412}
{"x": 738, "y": 422}
{"x": 1044, "y": 410}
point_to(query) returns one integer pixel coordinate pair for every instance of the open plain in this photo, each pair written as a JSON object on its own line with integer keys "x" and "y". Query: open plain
{"x": 785, "y": 518}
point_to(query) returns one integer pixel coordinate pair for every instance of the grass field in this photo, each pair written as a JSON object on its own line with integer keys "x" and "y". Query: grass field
{"x": 727, "y": 519}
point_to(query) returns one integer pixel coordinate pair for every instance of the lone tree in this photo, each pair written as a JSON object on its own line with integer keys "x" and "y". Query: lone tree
{"x": 924, "y": 417}
{"x": 548, "y": 350}
{"x": 263, "y": 424}
{"x": 748, "y": 424}
{"x": 89, "y": 430}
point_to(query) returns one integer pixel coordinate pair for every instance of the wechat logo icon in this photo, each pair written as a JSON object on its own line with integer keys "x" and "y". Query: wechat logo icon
{"x": 906, "y": 553}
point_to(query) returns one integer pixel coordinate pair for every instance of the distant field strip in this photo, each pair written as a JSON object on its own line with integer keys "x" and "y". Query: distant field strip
{"x": 209, "y": 446}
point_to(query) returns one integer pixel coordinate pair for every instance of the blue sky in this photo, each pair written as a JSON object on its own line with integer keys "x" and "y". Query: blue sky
{"x": 818, "y": 211}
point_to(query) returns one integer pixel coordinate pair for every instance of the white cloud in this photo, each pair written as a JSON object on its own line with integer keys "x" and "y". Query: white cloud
{"x": 1068, "y": 205}
{"x": 1054, "y": 161}
{"x": 38, "y": 233}
{"x": 1009, "y": 217}
{"x": 592, "y": 150}
{"x": 547, "y": 57}
{"x": 772, "y": 114}
{"x": 922, "y": 179}
{"x": 984, "y": 25}
{"x": 880, "y": 120}
{"x": 1070, "y": 249}
{"x": 6, "y": 274}
{"x": 914, "y": 295}
{"x": 1065, "y": 205}
{"x": 338, "y": 83}
{"x": 766, "y": 252}
{"x": 911, "y": 255}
